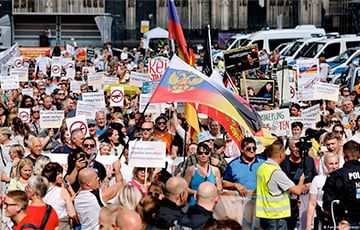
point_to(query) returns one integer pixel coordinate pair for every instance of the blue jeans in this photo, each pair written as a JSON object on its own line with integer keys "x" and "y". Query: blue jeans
{"x": 273, "y": 224}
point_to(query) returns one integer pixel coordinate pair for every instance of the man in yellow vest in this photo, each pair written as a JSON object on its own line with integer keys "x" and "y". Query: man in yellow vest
{"x": 272, "y": 200}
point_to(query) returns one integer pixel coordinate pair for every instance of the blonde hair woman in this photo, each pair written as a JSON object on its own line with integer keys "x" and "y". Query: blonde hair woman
{"x": 16, "y": 154}
{"x": 23, "y": 173}
{"x": 128, "y": 197}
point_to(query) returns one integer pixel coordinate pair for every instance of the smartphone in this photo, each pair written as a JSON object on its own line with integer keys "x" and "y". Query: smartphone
{"x": 67, "y": 183}
{"x": 298, "y": 174}
{"x": 82, "y": 156}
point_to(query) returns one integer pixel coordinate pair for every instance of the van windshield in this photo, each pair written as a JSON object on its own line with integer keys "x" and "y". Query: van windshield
{"x": 313, "y": 50}
{"x": 228, "y": 43}
{"x": 292, "y": 50}
{"x": 344, "y": 56}
{"x": 245, "y": 42}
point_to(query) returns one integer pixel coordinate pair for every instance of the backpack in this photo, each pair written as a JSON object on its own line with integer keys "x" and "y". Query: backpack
{"x": 28, "y": 225}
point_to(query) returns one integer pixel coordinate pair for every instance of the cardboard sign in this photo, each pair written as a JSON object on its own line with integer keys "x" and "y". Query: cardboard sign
{"x": 51, "y": 119}
{"x": 78, "y": 122}
{"x": 277, "y": 121}
{"x": 152, "y": 108}
{"x": 95, "y": 98}
{"x": 22, "y": 73}
{"x": 157, "y": 67}
{"x": 242, "y": 58}
{"x": 88, "y": 110}
{"x": 147, "y": 154}
{"x": 326, "y": 91}
{"x": 110, "y": 81}
{"x": 117, "y": 96}
{"x": 27, "y": 91}
{"x": 96, "y": 78}
{"x": 149, "y": 87}
{"x": 75, "y": 86}
{"x": 68, "y": 63}
{"x": 312, "y": 112}
{"x": 293, "y": 92}
{"x": 308, "y": 75}
{"x": 56, "y": 66}
{"x": 308, "y": 122}
{"x": 18, "y": 62}
{"x": 24, "y": 115}
{"x": 259, "y": 91}
{"x": 9, "y": 82}
{"x": 137, "y": 79}
{"x": 70, "y": 73}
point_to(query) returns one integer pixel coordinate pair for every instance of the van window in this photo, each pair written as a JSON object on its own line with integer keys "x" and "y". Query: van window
{"x": 293, "y": 49}
{"x": 273, "y": 43}
{"x": 260, "y": 44}
{"x": 352, "y": 44}
{"x": 331, "y": 50}
{"x": 313, "y": 49}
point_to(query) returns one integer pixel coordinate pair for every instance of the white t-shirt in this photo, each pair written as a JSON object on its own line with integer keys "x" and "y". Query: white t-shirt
{"x": 316, "y": 188}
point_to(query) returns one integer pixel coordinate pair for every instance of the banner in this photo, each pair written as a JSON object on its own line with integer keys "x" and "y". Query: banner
{"x": 144, "y": 26}
{"x": 34, "y": 52}
{"x": 22, "y": 73}
{"x": 51, "y": 119}
{"x": 110, "y": 81}
{"x": 308, "y": 122}
{"x": 157, "y": 67}
{"x": 259, "y": 91}
{"x": 147, "y": 154}
{"x": 242, "y": 58}
{"x": 75, "y": 86}
{"x": 278, "y": 121}
{"x": 308, "y": 75}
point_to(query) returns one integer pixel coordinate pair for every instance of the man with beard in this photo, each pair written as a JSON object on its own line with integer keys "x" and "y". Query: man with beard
{"x": 161, "y": 131}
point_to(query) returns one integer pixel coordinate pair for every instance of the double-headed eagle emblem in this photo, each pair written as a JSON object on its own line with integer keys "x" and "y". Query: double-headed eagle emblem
{"x": 181, "y": 81}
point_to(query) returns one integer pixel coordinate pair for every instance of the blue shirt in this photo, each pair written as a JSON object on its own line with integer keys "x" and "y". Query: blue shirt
{"x": 238, "y": 171}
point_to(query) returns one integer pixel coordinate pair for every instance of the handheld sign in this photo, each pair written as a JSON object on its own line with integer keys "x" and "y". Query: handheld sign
{"x": 18, "y": 62}
{"x": 51, "y": 119}
{"x": 56, "y": 67}
{"x": 24, "y": 115}
{"x": 78, "y": 122}
{"x": 88, "y": 110}
{"x": 326, "y": 91}
{"x": 117, "y": 96}
{"x": 9, "y": 82}
{"x": 27, "y": 91}
{"x": 137, "y": 79}
{"x": 153, "y": 107}
{"x": 242, "y": 58}
{"x": 22, "y": 73}
{"x": 277, "y": 121}
{"x": 147, "y": 154}
{"x": 97, "y": 98}
{"x": 157, "y": 67}
{"x": 96, "y": 78}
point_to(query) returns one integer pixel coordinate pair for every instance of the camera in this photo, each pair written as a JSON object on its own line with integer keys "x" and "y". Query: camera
{"x": 304, "y": 145}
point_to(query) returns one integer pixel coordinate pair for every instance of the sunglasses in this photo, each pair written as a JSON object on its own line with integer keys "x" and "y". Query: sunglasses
{"x": 61, "y": 94}
{"x": 248, "y": 149}
{"x": 155, "y": 194}
{"x": 352, "y": 120}
{"x": 89, "y": 145}
{"x": 8, "y": 204}
{"x": 335, "y": 121}
{"x": 42, "y": 89}
{"x": 203, "y": 153}
{"x": 161, "y": 123}
{"x": 147, "y": 115}
{"x": 35, "y": 111}
{"x": 90, "y": 126}
{"x": 340, "y": 132}
{"x": 146, "y": 129}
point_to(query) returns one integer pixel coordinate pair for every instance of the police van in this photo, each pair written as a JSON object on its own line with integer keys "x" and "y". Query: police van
{"x": 298, "y": 48}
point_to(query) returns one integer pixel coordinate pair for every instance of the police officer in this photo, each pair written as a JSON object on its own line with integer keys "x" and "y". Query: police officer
{"x": 344, "y": 185}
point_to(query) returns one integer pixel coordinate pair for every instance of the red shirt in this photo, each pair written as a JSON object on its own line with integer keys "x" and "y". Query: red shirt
{"x": 37, "y": 213}
{"x": 26, "y": 220}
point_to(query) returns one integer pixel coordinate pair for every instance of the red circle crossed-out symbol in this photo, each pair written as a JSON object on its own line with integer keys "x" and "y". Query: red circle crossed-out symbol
{"x": 292, "y": 92}
{"x": 18, "y": 63}
{"x": 81, "y": 125}
{"x": 55, "y": 69}
{"x": 116, "y": 98}
{"x": 69, "y": 65}
{"x": 24, "y": 116}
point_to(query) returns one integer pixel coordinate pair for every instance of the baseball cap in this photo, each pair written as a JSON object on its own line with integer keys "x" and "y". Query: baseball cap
{"x": 91, "y": 122}
{"x": 204, "y": 136}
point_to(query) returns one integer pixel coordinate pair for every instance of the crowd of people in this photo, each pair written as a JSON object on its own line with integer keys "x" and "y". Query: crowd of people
{"x": 295, "y": 183}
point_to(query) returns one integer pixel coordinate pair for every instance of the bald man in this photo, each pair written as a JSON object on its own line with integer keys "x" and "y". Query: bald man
{"x": 198, "y": 214}
{"x": 128, "y": 220}
{"x": 175, "y": 198}
{"x": 91, "y": 199}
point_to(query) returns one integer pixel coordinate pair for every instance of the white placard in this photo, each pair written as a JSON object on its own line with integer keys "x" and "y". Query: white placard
{"x": 293, "y": 92}
{"x": 110, "y": 81}
{"x": 88, "y": 110}
{"x": 70, "y": 73}
{"x": 28, "y": 91}
{"x": 68, "y": 63}
{"x": 326, "y": 91}
{"x": 18, "y": 62}
{"x": 308, "y": 74}
{"x": 96, "y": 78}
{"x": 117, "y": 96}
{"x": 51, "y": 119}
{"x": 277, "y": 121}
{"x": 21, "y": 72}
{"x": 10, "y": 82}
{"x": 152, "y": 108}
{"x": 91, "y": 69}
{"x": 96, "y": 98}
{"x": 147, "y": 154}
{"x": 157, "y": 68}
{"x": 308, "y": 122}
{"x": 75, "y": 86}
{"x": 78, "y": 122}
{"x": 137, "y": 79}
{"x": 56, "y": 66}
{"x": 69, "y": 48}
{"x": 312, "y": 112}
{"x": 24, "y": 115}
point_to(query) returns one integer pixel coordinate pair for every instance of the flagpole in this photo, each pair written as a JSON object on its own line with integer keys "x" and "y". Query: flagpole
{"x": 246, "y": 92}
{"x": 210, "y": 53}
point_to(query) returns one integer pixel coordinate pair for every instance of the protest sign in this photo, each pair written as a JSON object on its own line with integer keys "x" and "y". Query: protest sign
{"x": 24, "y": 115}
{"x": 86, "y": 109}
{"x": 75, "y": 86}
{"x": 51, "y": 119}
{"x": 70, "y": 73}
{"x": 34, "y": 52}
{"x": 56, "y": 66}
{"x": 110, "y": 81}
{"x": 27, "y": 91}
{"x": 240, "y": 59}
{"x": 89, "y": 69}
{"x": 68, "y": 63}
{"x": 283, "y": 85}
{"x": 96, "y": 98}
{"x": 313, "y": 111}
{"x": 18, "y": 62}
{"x": 259, "y": 91}
{"x": 308, "y": 74}
{"x": 78, "y": 122}
{"x": 147, "y": 154}
{"x": 22, "y": 73}
{"x": 293, "y": 92}
{"x": 144, "y": 26}
{"x": 117, "y": 96}
{"x": 69, "y": 48}
{"x": 149, "y": 87}
{"x": 96, "y": 78}
{"x": 308, "y": 122}
{"x": 157, "y": 67}
{"x": 326, "y": 91}
{"x": 152, "y": 108}
{"x": 9, "y": 82}
{"x": 277, "y": 121}
{"x": 137, "y": 79}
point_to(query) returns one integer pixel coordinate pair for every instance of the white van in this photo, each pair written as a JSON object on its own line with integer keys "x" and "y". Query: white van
{"x": 298, "y": 48}
{"x": 270, "y": 39}
{"x": 235, "y": 41}
{"x": 331, "y": 48}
